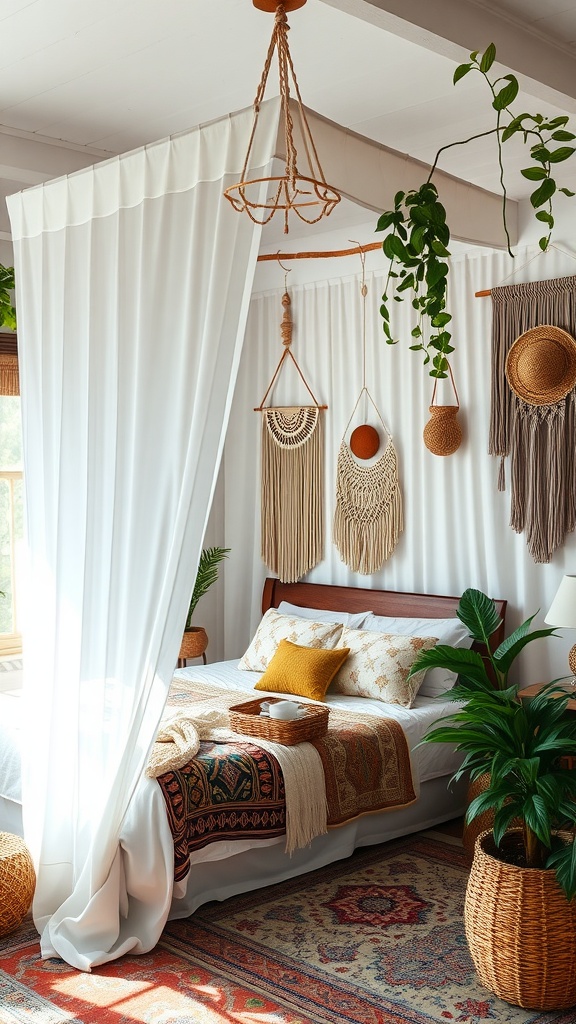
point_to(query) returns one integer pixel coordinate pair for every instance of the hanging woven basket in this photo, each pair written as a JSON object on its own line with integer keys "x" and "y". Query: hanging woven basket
{"x": 443, "y": 433}
{"x": 521, "y": 930}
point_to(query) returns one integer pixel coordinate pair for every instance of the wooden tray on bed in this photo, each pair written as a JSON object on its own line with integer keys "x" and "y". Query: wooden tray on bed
{"x": 245, "y": 718}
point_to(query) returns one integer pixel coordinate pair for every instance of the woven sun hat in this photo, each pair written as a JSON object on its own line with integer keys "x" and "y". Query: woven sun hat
{"x": 541, "y": 365}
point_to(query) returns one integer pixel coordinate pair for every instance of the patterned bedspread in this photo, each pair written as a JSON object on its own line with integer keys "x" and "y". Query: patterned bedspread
{"x": 235, "y": 790}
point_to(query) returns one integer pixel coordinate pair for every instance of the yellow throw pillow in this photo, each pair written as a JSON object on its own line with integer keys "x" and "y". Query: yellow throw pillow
{"x": 302, "y": 671}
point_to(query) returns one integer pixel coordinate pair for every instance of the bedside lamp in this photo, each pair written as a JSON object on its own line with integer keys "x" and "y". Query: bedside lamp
{"x": 562, "y": 613}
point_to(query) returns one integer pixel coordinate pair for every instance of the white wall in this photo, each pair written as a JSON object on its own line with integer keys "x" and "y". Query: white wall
{"x": 457, "y": 531}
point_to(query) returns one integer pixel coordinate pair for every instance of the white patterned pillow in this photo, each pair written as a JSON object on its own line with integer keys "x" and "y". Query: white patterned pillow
{"x": 378, "y": 666}
{"x": 275, "y": 627}
{"x": 452, "y": 632}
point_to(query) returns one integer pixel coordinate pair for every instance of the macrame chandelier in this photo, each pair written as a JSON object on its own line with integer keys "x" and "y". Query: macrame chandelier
{"x": 306, "y": 195}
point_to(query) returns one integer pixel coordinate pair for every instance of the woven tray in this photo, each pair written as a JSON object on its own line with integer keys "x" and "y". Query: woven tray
{"x": 245, "y": 718}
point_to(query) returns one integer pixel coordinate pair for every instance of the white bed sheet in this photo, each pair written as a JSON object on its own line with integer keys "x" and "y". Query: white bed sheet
{"x": 143, "y": 884}
{"x": 429, "y": 761}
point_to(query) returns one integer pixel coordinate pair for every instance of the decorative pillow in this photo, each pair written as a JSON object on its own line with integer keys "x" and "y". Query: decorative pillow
{"x": 353, "y": 619}
{"x": 302, "y": 671}
{"x": 378, "y": 666}
{"x": 449, "y": 631}
{"x": 275, "y": 627}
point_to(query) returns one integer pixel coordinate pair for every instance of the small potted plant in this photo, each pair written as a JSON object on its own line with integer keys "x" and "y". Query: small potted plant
{"x": 520, "y": 904}
{"x": 195, "y": 638}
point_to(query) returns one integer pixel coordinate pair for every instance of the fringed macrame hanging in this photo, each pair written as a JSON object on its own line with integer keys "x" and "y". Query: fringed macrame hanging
{"x": 538, "y": 437}
{"x": 368, "y": 518}
{"x": 292, "y": 477}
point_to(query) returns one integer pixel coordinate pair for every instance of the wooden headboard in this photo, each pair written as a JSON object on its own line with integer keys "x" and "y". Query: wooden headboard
{"x": 362, "y": 599}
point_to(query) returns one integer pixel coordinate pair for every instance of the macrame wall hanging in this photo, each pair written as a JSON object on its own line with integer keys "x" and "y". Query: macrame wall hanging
{"x": 368, "y": 518}
{"x": 292, "y": 477}
{"x": 533, "y": 407}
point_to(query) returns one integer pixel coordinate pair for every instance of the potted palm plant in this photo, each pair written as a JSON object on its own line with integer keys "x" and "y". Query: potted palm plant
{"x": 195, "y": 638}
{"x": 520, "y": 905}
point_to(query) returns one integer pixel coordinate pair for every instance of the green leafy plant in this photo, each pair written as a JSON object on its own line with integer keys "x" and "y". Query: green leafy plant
{"x": 207, "y": 575}
{"x": 417, "y": 244}
{"x": 518, "y": 742}
{"x": 7, "y": 311}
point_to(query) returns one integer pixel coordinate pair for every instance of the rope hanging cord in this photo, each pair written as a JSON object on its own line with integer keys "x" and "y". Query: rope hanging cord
{"x": 288, "y": 196}
{"x": 368, "y": 518}
{"x": 286, "y": 333}
{"x": 292, "y": 477}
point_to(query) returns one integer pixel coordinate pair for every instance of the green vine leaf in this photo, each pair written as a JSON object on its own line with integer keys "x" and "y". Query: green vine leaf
{"x": 546, "y": 217}
{"x": 534, "y": 173}
{"x": 544, "y": 193}
{"x": 461, "y": 70}
{"x": 557, "y": 155}
{"x": 488, "y": 58}
{"x": 507, "y": 95}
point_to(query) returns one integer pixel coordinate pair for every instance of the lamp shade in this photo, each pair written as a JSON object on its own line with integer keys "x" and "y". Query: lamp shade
{"x": 562, "y": 611}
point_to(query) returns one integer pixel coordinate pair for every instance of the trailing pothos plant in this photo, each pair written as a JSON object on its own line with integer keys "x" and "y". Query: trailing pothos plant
{"x": 517, "y": 743}
{"x": 418, "y": 235}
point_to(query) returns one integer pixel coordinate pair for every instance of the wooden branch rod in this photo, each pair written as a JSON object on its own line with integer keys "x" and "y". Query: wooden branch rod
{"x": 338, "y": 252}
{"x": 319, "y": 255}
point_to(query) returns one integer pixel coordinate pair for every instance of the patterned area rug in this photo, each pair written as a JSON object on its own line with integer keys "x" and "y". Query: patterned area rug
{"x": 376, "y": 939}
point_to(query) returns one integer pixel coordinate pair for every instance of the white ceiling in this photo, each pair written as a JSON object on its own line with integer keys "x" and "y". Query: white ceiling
{"x": 83, "y": 79}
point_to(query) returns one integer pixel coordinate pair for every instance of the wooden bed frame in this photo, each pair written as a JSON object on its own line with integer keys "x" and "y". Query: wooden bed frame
{"x": 381, "y": 602}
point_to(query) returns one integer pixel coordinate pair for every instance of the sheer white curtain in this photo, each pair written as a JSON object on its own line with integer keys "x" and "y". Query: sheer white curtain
{"x": 133, "y": 283}
{"x": 457, "y": 531}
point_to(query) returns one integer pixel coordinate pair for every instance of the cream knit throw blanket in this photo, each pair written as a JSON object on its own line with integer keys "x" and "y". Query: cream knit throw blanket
{"x": 178, "y": 741}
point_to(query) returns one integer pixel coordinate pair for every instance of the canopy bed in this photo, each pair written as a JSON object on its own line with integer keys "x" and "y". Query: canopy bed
{"x": 147, "y": 890}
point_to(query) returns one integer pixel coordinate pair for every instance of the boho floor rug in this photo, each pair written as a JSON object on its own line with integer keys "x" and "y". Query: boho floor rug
{"x": 376, "y": 939}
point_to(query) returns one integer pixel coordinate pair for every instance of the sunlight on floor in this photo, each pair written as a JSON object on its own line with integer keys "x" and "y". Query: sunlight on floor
{"x": 142, "y": 1001}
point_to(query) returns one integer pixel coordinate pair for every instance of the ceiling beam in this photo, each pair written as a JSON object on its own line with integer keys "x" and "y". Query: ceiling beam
{"x": 453, "y": 28}
{"x": 369, "y": 174}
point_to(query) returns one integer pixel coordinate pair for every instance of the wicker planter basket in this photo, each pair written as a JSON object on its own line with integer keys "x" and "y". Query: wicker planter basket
{"x": 194, "y": 643}
{"x": 483, "y": 822}
{"x": 521, "y": 930}
{"x": 17, "y": 882}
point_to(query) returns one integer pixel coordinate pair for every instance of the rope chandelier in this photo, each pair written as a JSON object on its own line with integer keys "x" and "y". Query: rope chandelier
{"x": 307, "y": 195}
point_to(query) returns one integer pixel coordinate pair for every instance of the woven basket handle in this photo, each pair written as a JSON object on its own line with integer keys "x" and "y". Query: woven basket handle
{"x": 453, "y": 385}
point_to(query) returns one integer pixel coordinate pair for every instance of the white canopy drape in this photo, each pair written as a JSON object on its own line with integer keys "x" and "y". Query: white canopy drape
{"x": 133, "y": 280}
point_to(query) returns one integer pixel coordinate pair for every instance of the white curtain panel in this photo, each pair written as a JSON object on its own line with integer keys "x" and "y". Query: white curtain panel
{"x": 456, "y": 531}
{"x": 133, "y": 283}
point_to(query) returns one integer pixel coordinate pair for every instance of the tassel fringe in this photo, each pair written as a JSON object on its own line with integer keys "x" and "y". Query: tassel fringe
{"x": 368, "y": 519}
{"x": 539, "y": 439}
{"x": 292, "y": 491}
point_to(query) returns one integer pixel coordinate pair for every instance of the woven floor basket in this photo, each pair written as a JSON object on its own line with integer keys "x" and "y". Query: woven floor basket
{"x": 484, "y": 821}
{"x": 480, "y": 824}
{"x": 17, "y": 882}
{"x": 521, "y": 931}
{"x": 194, "y": 643}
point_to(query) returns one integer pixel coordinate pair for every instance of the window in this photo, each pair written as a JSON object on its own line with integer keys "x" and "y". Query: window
{"x": 11, "y": 522}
